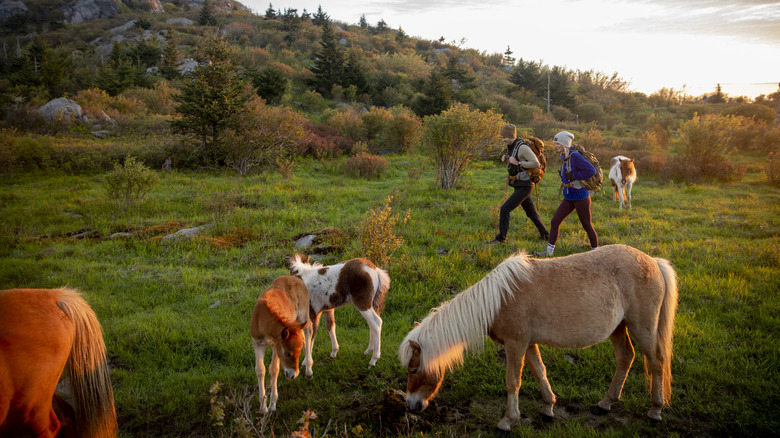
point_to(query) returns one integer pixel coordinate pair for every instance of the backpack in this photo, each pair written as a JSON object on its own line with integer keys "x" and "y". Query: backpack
{"x": 594, "y": 182}
{"x": 537, "y": 147}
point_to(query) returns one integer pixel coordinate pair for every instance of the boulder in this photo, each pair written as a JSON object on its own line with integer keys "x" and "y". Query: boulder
{"x": 85, "y": 10}
{"x": 10, "y": 8}
{"x": 61, "y": 109}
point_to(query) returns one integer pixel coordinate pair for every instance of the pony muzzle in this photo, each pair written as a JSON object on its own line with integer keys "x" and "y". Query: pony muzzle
{"x": 290, "y": 373}
{"x": 415, "y": 403}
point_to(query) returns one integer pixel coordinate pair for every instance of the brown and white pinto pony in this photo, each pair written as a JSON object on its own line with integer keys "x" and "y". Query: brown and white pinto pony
{"x": 622, "y": 174}
{"x": 566, "y": 302}
{"x": 358, "y": 281}
{"x": 46, "y": 334}
{"x": 281, "y": 320}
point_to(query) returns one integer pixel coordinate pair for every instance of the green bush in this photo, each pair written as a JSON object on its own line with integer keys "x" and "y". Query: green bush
{"x": 129, "y": 183}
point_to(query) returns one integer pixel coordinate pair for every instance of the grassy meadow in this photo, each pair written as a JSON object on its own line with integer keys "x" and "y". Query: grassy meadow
{"x": 176, "y": 314}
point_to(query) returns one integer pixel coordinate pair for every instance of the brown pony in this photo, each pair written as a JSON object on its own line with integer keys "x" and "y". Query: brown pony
{"x": 568, "y": 302}
{"x": 281, "y": 319}
{"x": 44, "y": 332}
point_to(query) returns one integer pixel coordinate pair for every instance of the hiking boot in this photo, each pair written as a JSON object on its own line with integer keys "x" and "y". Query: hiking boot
{"x": 540, "y": 254}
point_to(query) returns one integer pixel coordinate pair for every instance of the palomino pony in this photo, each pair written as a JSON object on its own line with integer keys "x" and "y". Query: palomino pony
{"x": 45, "y": 334}
{"x": 330, "y": 287}
{"x": 568, "y": 302}
{"x": 281, "y": 319}
{"x": 622, "y": 173}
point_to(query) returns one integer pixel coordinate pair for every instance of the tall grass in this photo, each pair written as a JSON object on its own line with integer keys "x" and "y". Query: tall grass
{"x": 176, "y": 314}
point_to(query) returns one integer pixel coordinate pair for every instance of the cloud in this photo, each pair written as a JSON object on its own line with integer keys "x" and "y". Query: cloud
{"x": 757, "y": 21}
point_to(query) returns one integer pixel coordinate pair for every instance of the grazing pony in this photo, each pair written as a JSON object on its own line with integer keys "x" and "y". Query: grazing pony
{"x": 281, "y": 319}
{"x": 622, "y": 173}
{"x": 45, "y": 334}
{"x": 356, "y": 280}
{"x": 567, "y": 302}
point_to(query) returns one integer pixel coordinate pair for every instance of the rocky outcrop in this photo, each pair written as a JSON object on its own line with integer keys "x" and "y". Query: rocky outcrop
{"x": 85, "y": 10}
{"x": 61, "y": 109}
{"x": 10, "y": 8}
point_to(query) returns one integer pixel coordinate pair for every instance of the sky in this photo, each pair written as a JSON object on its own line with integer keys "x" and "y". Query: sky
{"x": 685, "y": 45}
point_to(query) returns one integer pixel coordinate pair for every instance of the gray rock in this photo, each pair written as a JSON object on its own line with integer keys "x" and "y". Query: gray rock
{"x": 186, "y": 233}
{"x": 305, "y": 242}
{"x": 180, "y": 21}
{"x": 61, "y": 108}
{"x": 10, "y": 8}
{"x": 85, "y": 10}
{"x": 187, "y": 65}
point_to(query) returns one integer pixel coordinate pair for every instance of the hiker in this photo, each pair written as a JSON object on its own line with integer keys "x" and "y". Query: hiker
{"x": 518, "y": 156}
{"x": 575, "y": 197}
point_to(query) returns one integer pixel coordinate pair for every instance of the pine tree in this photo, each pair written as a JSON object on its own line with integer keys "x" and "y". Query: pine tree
{"x": 436, "y": 96}
{"x": 170, "y": 58}
{"x": 207, "y": 16}
{"x": 210, "y": 98}
{"x": 320, "y": 18}
{"x": 527, "y": 75}
{"x": 560, "y": 88}
{"x": 718, "y": 97}
{"x": 271, "y": 84}
{"x": 270, "y": 13}
{"x": 355, "y": 73}
{"x": 328, "y": 66}
{"x": 508, "y": 58}
{"x": 363, "y": 23}
{"x": 401, "y": 36}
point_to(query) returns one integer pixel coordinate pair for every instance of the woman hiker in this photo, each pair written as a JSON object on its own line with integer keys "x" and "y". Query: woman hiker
{"x": 575, "y": 197}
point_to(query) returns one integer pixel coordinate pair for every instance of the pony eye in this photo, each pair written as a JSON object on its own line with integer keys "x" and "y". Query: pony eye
{"x": 414, "y": 371}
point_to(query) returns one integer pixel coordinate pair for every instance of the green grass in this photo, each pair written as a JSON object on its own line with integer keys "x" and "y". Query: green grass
{"x": 176, "y": 315}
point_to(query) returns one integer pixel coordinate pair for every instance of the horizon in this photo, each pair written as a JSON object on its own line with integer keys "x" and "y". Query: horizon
{"x": 689, "y": 46}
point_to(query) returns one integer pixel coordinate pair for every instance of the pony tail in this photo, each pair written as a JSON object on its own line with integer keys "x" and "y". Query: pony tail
{"x": 383, "y": 285}
{"x": 666, "y": 325}
{"x": 87, "y": 369}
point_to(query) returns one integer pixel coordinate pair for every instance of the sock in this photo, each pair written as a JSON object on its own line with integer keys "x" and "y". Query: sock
{"x": 550, "y": 249}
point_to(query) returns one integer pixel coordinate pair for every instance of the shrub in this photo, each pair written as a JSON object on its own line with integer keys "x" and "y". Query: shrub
{"x": 707, "y": 144}
{"x": 129, "y": 183}
{"x": 457, "y": 137}
{"x": 374, "y": 121}
{"x": 322, "y": 141}
{"x": 260, "y": 135}
{"x": 349, "y": 123}
{"x": 377, "y": 235}
{"x": 773, "y": 169}
{"x": 365, "y": 166}
{"x": 402, "y": 132}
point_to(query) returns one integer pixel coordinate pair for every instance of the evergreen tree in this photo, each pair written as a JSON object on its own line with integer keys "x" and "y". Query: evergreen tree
{"x": 207, "y": 16}
{"x": 718, "y": 97}
{"x": 270, "y": 13}
{"x": 328, "y": 66}
{"x": 271, "y": 84}
{"x": 291, "y": 20}
{"x": 363, "y": 23}
{"x": 381, "y": 26}
{"x": 436, "y": 96}
{"x": 355, "y": 73}
{"x": 320, "y": 18}
{"x": 169, "y": 65}
{"x": 210, "y": 98}
{"x": 527, "y": 75}
{"x": 560, "y": 88}
{"x": 401, "y": 36}
{"x": 508, "y": 58}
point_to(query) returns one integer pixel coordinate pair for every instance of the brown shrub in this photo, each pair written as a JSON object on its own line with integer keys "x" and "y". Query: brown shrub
{"x": 365, "y": 166}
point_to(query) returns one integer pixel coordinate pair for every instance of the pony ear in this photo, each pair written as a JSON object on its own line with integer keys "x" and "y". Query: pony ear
{"x": 415, "y": 345}
{"x": 303, "y": 325}
{"x": 286, "y": 334}
{"x": 416, "y": 323}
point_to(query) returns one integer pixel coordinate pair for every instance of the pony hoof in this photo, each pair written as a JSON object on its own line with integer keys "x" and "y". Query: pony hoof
{"x": 333, "y": 354}
{"x": 505, "y": 424}
{"x": 598, "y": 410}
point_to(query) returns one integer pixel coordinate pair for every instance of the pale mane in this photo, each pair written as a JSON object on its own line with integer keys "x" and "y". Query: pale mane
{"x": 463, "y": 322}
